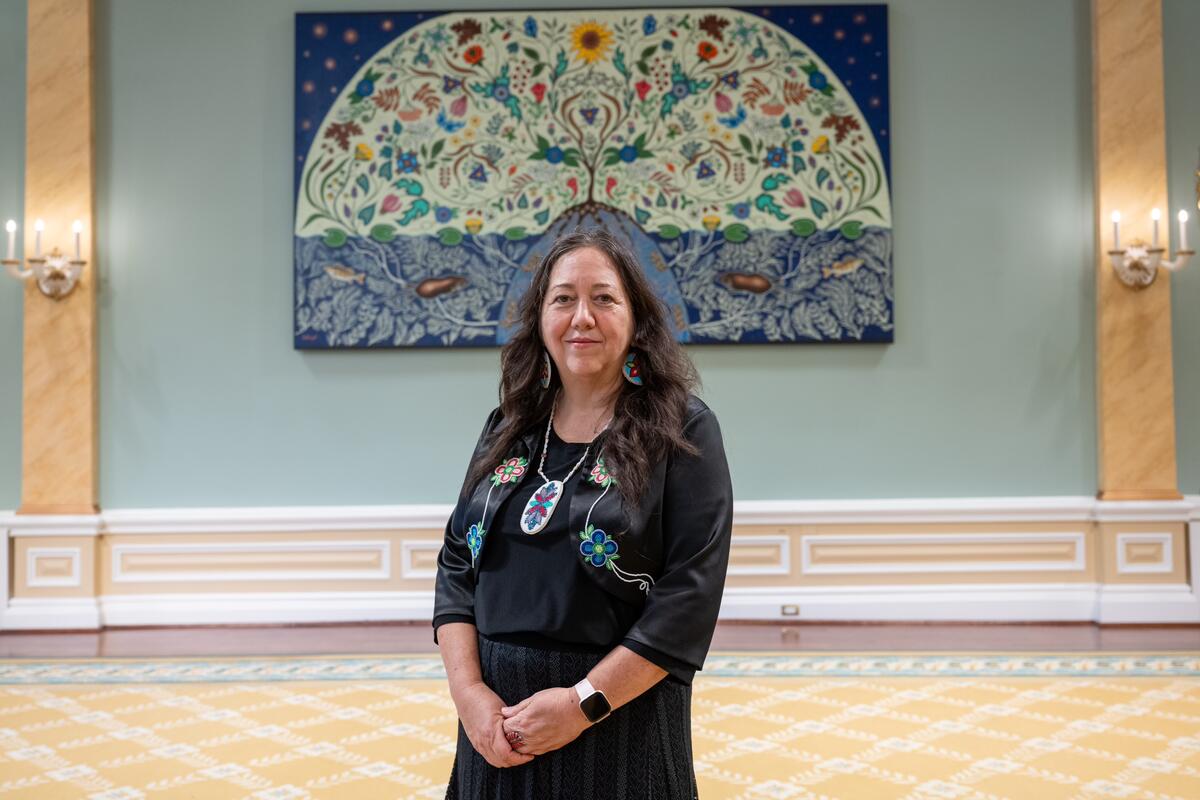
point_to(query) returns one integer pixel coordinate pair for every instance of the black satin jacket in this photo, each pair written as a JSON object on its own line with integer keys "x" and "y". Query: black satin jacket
{"x": 668, "y": 555}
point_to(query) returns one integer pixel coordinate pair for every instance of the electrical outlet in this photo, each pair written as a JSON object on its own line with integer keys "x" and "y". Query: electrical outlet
{"x": 789, "y": 611}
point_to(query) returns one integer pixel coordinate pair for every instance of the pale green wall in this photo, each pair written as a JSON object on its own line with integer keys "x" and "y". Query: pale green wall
{"x": 988, "y": 389}
{"x": 12, "y": 165}
{"x": 1181, "y": 61}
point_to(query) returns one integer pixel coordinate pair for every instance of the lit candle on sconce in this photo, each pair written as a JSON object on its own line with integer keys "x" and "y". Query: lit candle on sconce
{"x": 1155, "y": 216}
{"x": 1183, "y": 218}
{"x": 38, "y": 227}
{"x": 77, "y": 227}
{"x": 11, "y": 227}
{"x": 1116, "y": 219}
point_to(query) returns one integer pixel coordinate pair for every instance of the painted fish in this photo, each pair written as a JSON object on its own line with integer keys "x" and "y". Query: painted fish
{"x": 842, "y": 267}
{"x": 746, "y": 282}
{"x": 433, "y": 287}
{"x": 345, "y": 274}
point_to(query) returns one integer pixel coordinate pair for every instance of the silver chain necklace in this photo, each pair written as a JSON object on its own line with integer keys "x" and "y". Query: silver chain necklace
{"x": 541, "y": 506}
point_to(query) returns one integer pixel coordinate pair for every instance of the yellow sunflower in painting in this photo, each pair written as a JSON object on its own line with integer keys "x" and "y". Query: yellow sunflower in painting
{"x": 591, "y": 41}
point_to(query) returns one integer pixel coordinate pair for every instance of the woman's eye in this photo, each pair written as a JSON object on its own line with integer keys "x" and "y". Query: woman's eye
{"x": 562, "y": 298}
{"x": 604, "y": 298}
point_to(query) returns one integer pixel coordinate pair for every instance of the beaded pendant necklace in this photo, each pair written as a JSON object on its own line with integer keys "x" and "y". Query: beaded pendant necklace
{"x": 541, "y": 506}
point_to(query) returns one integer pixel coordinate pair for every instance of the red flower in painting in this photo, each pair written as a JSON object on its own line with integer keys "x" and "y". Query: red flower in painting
{"x": 707, "y": 51}
{"x": 539, "y": 91}
{"x": 643, "y": 89}
{"x": 473, "y": 54}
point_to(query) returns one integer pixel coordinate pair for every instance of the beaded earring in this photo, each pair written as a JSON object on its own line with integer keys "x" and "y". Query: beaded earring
{"x": 633, "y": 368}
{"x": 546, "y": 367}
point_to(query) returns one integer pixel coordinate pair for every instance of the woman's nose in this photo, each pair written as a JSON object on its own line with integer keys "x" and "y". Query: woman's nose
{"x": 583, "y": 315}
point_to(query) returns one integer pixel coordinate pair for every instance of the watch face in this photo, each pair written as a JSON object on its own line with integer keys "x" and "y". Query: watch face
{"x": 595, "y": 706}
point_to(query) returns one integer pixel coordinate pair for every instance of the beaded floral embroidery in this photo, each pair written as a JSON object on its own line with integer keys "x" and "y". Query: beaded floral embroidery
{"x": 597, "y": 547}
{"x": 540, "y": 504}
{"x": 632, "y": 369}
{"x": 475, "y": 536}
{"x": 510, "y": 470}
{"x": 600, "y": 474}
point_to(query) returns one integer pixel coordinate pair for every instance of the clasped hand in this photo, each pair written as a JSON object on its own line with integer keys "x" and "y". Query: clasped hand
{"x": 546, "y": 721}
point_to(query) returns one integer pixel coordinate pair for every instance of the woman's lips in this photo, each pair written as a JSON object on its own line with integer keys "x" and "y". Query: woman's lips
{"x": 582, "y": 342}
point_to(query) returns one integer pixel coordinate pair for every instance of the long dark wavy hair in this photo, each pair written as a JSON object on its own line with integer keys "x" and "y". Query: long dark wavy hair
{"x": 648, "y": 419}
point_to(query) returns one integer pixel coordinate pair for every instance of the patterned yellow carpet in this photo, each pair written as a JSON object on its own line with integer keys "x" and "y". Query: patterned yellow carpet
{"x": 765, "y": 726}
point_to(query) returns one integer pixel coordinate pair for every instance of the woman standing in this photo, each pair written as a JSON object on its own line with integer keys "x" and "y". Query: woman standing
{"x": 581, "y": 575}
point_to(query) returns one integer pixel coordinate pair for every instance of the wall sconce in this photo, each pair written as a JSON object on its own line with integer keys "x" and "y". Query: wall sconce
{"x": 1137, "y": 265}
{"x": 56, "y": 276}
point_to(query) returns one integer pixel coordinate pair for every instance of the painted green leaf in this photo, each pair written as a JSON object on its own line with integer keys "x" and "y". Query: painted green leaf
{"x": 670, "y": 232}
{"x": 737, "y": 232}
{"x": 515, "y": 234}
{"x": 335, "y": 237}
{"x": 819, "y": 208}
{"x": 385, "y": 171}
{"x": 542, "y": 217}
{"x": 363, "y": 183}
{"x": 852, "y": 229}
{"x": 383, "y": 233}
{"x": 804, "y": 227}
{"x": 412, "y": 187}
{"x": 450, "y": 236}
{"x": 419, "y": 208}
{"x": 367, "y": 214}
{"x": 822, "y": 175}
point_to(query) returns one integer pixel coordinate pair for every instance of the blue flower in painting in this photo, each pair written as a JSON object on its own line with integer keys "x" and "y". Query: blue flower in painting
{"x": 817, "y": 80}
{"x": 443, "y": 214}
{"x": 530, "y": 27}
{"x": 730, "y": 79}
{"x": 668, "y": 45}
{"x": 407, "y": 162}
{"x": 680, "y": 89}
{"x": 478, "y": 174}
{"x": 704, "y": 171}
{"x": 597, "y": 548}
{"x": 628, "y": 154}
{"x": 741, "y": 210}
{"x": 364, "y": 88}
{"x": 554, "y": 155}
{"x": 776, "y": 158}
{"x": 500, "y": 92}
{"x": 649, "y": 25}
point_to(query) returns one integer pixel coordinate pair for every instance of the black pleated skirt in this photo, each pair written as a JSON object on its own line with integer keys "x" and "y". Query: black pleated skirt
{"x": 642, "y": 751}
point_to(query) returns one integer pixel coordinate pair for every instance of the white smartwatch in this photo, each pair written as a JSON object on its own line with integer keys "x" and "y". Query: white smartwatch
{"x": 592, "y": 702}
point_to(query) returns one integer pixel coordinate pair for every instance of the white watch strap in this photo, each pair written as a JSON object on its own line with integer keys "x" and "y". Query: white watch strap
{"x": 584, "y": 689}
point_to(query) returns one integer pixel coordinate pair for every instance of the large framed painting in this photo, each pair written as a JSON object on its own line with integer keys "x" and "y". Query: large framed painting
{"x": 743, "y": 153}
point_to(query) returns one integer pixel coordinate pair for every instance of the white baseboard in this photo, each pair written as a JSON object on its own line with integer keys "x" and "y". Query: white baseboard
{"x": 1072, "y": 602}
{"x": 1134, "y": 603}
{"x": 1148, "y": 603}
{"x": 51, "y": 613}
{"x": 1069, "y": 602}
{"x": 264, "y": 608}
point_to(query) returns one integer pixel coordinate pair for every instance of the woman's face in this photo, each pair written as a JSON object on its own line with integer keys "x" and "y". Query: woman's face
{"x": 587, "y": 324}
